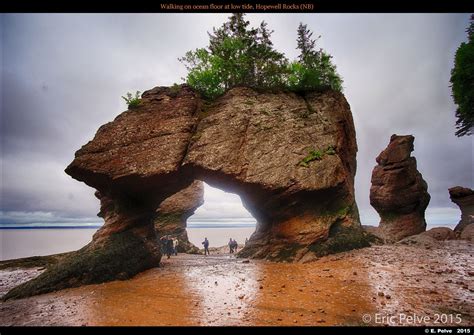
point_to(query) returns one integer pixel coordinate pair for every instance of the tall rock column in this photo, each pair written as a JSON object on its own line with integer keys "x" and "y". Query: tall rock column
{"x": 464, "y": 198}
{"x": 398, "y": 192}
{"x": 173, "y": 213}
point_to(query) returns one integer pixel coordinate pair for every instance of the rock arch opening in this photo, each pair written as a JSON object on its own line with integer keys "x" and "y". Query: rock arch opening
{"x": 220, "y": 217}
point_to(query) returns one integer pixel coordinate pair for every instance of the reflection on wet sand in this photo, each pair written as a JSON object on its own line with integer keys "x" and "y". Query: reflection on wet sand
{"x": 327, "y": 292}
{"x": 226, "y": 289}
{"x": 152, "y": 298}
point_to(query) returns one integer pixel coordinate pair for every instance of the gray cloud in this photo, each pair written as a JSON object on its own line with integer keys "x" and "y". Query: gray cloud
{"x": 63, "y": 75}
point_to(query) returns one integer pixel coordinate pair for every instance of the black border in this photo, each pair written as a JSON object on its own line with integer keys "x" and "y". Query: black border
{"x": 318, "y": 6}
{"x": 240, "y": 330}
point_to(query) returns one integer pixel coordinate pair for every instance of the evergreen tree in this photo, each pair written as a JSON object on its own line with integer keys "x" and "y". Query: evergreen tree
{"x": 314, "y": 69}
{"x": 462, "y": 80}
{"x": 304, "y": 43}
{"x": 242, "y": 55}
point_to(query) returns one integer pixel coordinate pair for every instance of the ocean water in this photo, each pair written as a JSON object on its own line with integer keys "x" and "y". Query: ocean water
{"x": 18, "y": 243}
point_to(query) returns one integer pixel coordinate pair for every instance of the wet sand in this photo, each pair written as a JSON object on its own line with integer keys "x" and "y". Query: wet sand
{"x": 221, "y": 290}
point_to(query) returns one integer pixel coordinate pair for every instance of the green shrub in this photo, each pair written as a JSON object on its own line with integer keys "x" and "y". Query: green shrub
{"x": 316, "y": 155}
{"x": 132, "y": 101}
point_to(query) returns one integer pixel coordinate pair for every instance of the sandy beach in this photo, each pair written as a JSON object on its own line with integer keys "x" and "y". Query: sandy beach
{"x": 360, "y": 287}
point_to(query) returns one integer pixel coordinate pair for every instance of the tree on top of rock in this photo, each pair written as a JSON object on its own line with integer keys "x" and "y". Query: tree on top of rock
{"x": 314, "y": 68}
{"x": 462, "y": 80}
{"x": 240, "y": 55}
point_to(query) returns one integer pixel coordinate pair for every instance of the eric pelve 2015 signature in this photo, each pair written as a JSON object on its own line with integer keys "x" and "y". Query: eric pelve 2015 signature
{"x": 413, "y": 319}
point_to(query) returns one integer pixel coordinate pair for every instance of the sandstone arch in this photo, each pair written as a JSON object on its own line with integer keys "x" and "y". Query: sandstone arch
{"x": 291, "y": 158}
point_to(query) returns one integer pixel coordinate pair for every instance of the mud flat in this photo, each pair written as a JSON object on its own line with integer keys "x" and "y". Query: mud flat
{"x": 387, "y": 284}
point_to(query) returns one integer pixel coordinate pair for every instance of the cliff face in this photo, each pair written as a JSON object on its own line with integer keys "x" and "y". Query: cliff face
{"x": 398, "y": 192}
{"x": 291, "y": 158}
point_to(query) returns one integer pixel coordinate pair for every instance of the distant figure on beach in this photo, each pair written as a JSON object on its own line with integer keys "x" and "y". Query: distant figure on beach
{"x": 234, "y": 245}
{"x": 246, "y": 240}
{"x": 231, "y": 246}
{"x": 163, "y": 242}
{"x": 206, "y": 246}
{"x": 175, "y": 246}
{"x": 169, "y": 246}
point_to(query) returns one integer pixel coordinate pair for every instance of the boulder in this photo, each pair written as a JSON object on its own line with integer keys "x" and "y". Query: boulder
{"x": 468, "y": 233}
{"x": 440, "y": 233}
{"x": 464, "y": 198}
{"x": 290, "y": 157}
{"x": 398, "y": 192}
{"x": 420, "y": 240}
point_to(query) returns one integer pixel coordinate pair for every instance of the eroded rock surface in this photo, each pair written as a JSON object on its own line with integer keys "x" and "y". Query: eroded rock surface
{"x": 291, "y": 158}
{"x": 398, "y": 192}
{"x": 464, "y": 198}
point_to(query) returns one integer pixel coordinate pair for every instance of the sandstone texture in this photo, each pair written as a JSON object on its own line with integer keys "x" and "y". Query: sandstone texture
{"x": 398, "y": 192}
{"x": 464, "y": 198}
{"x": 291, "y": 158}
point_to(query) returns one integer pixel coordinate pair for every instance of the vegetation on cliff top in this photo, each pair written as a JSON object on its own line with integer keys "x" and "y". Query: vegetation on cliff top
{"x": 239, "y": 55}
{"x": 132, "y": 101}
{"x": 462, "y": 80}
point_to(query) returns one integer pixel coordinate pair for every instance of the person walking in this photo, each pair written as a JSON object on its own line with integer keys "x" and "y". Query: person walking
{"x": 206, "y": 246}
{"x": 231, "y": 246}
{"x": 234, "y": 245}
{"x": 175, "y": 246}
{"x": 163, "y": 241}
{"x": 169, "y": 246}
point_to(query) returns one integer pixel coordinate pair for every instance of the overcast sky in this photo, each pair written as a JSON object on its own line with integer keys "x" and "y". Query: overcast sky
{"x": 63, "y": 75}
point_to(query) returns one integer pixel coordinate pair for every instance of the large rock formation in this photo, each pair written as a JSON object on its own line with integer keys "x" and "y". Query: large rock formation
{"x": 291, "y": 158}
{"x": 464, "y": 198}
{"x": 398, "y": 192}
{"x": 173, "y": 213}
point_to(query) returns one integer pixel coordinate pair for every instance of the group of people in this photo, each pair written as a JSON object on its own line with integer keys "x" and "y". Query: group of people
{"x": 169, "y": 245}
{"x": 232, "y": 245}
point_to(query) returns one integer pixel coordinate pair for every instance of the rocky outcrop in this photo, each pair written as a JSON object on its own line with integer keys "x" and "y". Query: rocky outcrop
{"x": 440, "y": 233}
{"x": 464, "y": 198}
{"x": 467, "y": 233}
{"x": 291, "y": 158}
{"x": 174, "y": 211}
{"x": 398, "y": 192}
